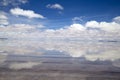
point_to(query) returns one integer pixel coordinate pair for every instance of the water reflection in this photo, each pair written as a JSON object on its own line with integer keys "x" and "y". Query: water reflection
{"x": 2, "y": 59}
{"x": 90, "y": 50}
{"x": 25, "y": 65}
{"x": 66, "y": 60}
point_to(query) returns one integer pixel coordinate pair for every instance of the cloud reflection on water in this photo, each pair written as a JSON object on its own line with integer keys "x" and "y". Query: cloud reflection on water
{"x": 2, "y": 58}
{"x": 24, "y": 65}
{"x": 91, "y": 51}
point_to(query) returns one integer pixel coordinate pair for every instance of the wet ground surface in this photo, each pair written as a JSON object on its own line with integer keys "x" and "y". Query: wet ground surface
{"x": 56, "y": 68}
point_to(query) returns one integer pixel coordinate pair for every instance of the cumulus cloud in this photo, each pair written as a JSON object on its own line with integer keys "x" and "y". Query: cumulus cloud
{"x": 105, "y": 26}
{"x": 117, "y": 19}
{"x": 92, "y": 24}
{"x": 12, "y": 2}
{"x": 91, "y": 30}
{"x": 17, "y": 28}
{"x": 78, "y": 27}
{"x": 21, "y": 31}
{"x": 3, "y": 19}
{"x": 25, "y": 13}
{"x": 113, "y": 26}
{"x": 55, "y": 6}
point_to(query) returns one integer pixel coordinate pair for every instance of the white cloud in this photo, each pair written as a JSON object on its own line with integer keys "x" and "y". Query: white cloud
{"x": 105, "y": 26}
{"x": 55, "y": 6}
{"x": 92, "y": 24}
{"x": 3, "y": 19}
{"x": 78, "y": 27}
{"x": 76, "y": 19}
{"x": 20, "y": 30}
{"x": 105, "y": 30}
{"x": 117, "y": 19}
{"x": 23, "y": 1}
{"x": 12, "y": 2}
{"x": 110, "y": 27}
{"x": 26, "y": 13}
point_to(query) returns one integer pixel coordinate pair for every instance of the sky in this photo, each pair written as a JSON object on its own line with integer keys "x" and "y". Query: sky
{"x": 60, "y": 16}
{"x": 69, "y": 26}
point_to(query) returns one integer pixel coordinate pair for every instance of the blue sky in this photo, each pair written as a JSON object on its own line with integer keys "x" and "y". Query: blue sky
{"x": 99, "y": 10}
{"x": 29, "y": 25}
{"x": 84, "y": 19}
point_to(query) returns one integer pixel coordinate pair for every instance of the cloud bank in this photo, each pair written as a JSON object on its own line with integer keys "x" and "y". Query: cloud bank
{"x": 91, "y": 30}
{"x": 105, "y": 26}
